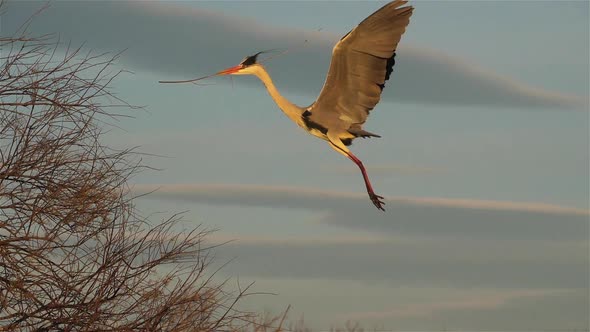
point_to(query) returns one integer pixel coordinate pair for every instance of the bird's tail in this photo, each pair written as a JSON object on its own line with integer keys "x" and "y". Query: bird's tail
{"x": 358, "y": 132}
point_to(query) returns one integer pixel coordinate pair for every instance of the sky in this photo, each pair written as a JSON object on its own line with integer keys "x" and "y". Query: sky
{"x": 483, "y": 160}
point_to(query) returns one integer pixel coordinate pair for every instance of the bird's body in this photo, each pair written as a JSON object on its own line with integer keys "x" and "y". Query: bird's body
{"x": 361, "y": 63}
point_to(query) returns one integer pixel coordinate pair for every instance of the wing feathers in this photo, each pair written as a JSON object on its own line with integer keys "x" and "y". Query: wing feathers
{"x": 381, "y": 32}
{"x": 361, "y": 63}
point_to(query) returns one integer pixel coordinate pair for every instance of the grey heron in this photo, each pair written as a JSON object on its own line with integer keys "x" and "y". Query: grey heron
{"x": 361, "y": 63}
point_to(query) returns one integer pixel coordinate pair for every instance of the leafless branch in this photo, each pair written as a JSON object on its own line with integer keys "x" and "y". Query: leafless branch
{"x": 74, "y": 252}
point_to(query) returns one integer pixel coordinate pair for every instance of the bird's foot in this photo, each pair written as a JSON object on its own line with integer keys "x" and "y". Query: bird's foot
{"x": 377, "y": 201}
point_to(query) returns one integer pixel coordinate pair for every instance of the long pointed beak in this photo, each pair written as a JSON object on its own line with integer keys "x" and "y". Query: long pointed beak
{"x": 230, "y": 70}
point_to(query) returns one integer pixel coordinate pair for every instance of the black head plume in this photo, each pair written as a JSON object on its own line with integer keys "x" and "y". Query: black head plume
{"x": 250, "y": 60}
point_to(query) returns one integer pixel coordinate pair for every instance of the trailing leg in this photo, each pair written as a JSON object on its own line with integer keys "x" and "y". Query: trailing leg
{"x": 376, "y": 199}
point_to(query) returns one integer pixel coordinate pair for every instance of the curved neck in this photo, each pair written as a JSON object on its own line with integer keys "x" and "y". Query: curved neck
{"x": 291, "y": 110}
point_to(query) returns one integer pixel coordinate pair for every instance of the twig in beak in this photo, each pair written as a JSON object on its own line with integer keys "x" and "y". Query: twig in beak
{"x": 189, "y": 81}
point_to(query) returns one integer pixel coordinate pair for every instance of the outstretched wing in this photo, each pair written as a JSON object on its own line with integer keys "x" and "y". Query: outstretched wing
{"x": 361, "y": 63}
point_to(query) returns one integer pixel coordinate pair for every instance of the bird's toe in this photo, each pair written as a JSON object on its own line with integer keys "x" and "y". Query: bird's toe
{"x": 377, "y": 201}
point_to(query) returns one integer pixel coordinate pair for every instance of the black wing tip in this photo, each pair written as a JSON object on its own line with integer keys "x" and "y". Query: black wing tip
{"x": 389, "y": 66}
{"x": 388, "y": 70}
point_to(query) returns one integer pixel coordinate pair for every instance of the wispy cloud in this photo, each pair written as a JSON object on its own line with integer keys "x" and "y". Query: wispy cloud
{"x": 174, "y": 40}
{"x": 323, "y": 199}
{"x": 387, "y": 169}
{"x": 493, "y": 300}
{"x": 408, "y": 215}
{"x": 418, "y": 242}
{"x": 239, "y": 240}
{"x": 412, "y": 260}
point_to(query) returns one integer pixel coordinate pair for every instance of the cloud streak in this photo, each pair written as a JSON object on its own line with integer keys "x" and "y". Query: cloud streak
{"x": 538, "y": 309}
{"x": 175, "y": 41}
{"x": 484, "y": 302}
{"x": 386, "y": 169}
{"x": 415, "y": 261}
{"x": 418, "y": 241}
{"x": 406, "y": 215}
{"x": 323, "y": 199}
{"x": 516, "y": 248}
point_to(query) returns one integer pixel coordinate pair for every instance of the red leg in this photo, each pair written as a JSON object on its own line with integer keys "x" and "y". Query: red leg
{"x": 376, "y": 199}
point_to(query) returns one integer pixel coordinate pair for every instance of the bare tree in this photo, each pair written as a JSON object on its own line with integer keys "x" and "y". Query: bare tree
{"x": 74, "y": 253}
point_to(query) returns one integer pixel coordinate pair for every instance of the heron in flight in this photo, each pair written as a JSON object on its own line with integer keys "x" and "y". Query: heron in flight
{"x": 361, "y": 63}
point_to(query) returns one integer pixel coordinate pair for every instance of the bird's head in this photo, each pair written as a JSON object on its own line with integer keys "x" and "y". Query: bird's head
{"x": 246, "y": 67}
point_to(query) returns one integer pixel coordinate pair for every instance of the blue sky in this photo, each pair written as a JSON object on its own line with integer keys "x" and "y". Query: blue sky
{"x": 484, "y": 155}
